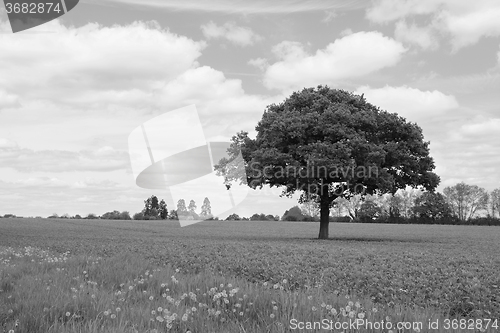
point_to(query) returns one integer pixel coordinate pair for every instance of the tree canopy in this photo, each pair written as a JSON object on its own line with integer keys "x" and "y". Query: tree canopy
{"x": 330, "y": 143}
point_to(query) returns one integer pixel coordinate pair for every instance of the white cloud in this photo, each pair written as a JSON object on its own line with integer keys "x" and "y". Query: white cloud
{"x": 354, "y": 55}
{"x": 262, "y": 63}
{"x": 486, "y": 129}
{"x": 411, "y": 103}
{"x": 421, "y": 36}
{"x": 242, "y": 36}
{"x": 92, "y": 58}
{"x": 466, "y": 21}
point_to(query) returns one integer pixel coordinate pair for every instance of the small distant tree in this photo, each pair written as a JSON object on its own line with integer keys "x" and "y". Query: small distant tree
{"x": 369, "y": 211}
{"x": 92, "y": 216}
{"x": 173, "y": 215}
{"x": 466, "y": 200}
{"x": 270, "y": 217}
{"x": 139, "y": 216}
{"x": 125, "y": 215}
{"x": 181, "y": 207}
{"x": 192, "y": 209}
{"x": 294, "y": 214}
{"x": 495, "y": 202}
{"x": 53, "y": 216}
{"x": 163, "y": 210}
{"x": 432, "y": 206}
{"x": 77, "y": 217}
{"x": 151, "y": 206}
{"x": 310, "y": 207}
{"x": 206, "y": 209}
{"x": 233, "y": 217}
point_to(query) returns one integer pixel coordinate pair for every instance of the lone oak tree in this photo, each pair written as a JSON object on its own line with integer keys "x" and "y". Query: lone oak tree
{"x": 330, "y": 143}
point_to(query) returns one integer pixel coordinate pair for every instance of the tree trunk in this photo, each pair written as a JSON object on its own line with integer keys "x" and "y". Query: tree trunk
{"x": 324, "y": 217}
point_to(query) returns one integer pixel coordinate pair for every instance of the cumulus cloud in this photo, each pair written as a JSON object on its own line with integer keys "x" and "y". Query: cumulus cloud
{"x": 92, "y": 58}
{"x": 242, "y": 36}
{"x": 466, "y": 21}
{"x": 351, "y": 56}
{"x": 411, "y": 103}
{"x": 486, "y": 128}
{"x": 28, "y": 160}
{"x": 421, "y": 36}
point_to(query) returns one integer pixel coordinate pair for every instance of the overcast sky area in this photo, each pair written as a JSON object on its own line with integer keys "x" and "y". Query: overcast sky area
{"x": 74, "y": 89}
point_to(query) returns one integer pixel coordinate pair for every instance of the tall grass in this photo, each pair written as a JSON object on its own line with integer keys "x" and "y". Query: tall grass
{"x": 47, "y": 292}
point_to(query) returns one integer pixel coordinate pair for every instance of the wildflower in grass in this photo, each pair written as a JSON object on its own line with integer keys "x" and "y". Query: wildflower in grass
{"x": 417, "y": 329}
{"x": 241, "y": 313}
{"x": 93, "y": 296}
{"x": 334, "y": 312}
{"x": 323, "y": 305}
{"x": 275, "y": 308}
{"x": 361, "y": 315}
{"x": 374, "y": 310}
{"x": 164, "y": 295}
{"x": 160, "y": 309}
{"x": 265, "y": 284}
{"x": 276, "y": 286}
{"x": 328, "y": 307}
{"x": 352, "y": 314}
{"x": 118, "y": 309}
{"x": 357, "y": 305}
{"x": 193, "y": 309}
{"x": 160, "y": 319}
{"x": 10, "y": 311}
{"x": 348, "y": 308}
{"x": 285, "y": 281}
{"x": 272, "y": 316}
{"x": 350, "y": 303}
{"x": 184, "y": 317}
{"x": 177, "y": 270}
{"x": 11, "y": 331}
{"x": 387, "y": 318}
{"x": 309, "y": 297}
{"x": 68, "y": 314}
{"x": 130, "y": 288}
{"x": 106, "y": 313}
{"x": 113, "y": 316}
{"x": 151, "y": 298}
{"x": 153, "y": 312}
{"x": 313, "y": 308}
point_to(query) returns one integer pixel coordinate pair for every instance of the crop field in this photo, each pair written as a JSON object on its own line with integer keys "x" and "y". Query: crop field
{"x": 61, "y": 275}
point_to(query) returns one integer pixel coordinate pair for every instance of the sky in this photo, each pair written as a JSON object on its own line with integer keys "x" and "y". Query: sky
{"x": 74, "y": 90}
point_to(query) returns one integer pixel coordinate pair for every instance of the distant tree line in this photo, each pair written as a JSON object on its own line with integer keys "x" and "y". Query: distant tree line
{"x": 459, "y": 204}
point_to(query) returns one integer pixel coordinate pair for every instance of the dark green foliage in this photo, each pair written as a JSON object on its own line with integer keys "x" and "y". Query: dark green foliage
{"x": 293, "y": 214}
{"x": 116, "y": 215}
{"x": 330, "y": 143}
{"x": 233, "y": 217}
{"x": 432, "y": 206}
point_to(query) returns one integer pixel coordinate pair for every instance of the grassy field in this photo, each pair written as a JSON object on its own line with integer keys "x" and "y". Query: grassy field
{"x": 153, "y": 276}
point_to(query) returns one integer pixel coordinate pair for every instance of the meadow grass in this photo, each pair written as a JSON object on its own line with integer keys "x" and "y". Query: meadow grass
{"x": 117, "y": 276}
